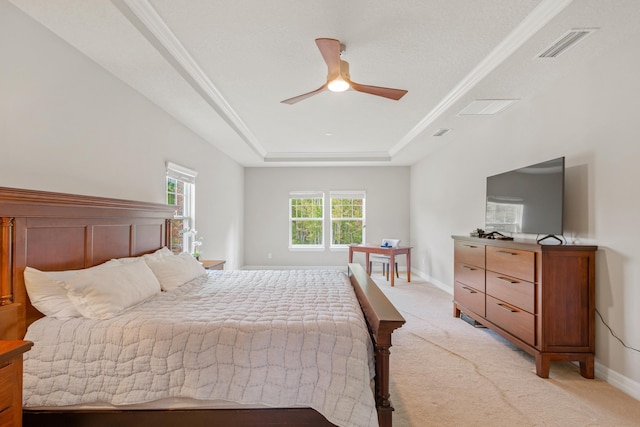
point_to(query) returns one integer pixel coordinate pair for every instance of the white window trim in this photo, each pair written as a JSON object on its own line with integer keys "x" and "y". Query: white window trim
{"x": 181, "y": 172}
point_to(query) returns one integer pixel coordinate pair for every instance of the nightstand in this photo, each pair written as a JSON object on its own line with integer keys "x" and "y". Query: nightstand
{"x": 216, "y": 264}
{"x": 11, "y": 381}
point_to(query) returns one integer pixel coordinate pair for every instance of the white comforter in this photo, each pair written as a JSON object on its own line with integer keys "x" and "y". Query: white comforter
{"x": 278, "y": 338}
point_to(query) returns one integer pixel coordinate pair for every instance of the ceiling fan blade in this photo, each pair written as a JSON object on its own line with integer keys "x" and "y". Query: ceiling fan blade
{"x": 385, "y": 92}
{"x": 330, "y": 50}
{"x": 304, "y": 96}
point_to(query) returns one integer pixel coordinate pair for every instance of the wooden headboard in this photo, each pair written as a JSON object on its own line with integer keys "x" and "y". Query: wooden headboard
{"x": 56, "y": 231}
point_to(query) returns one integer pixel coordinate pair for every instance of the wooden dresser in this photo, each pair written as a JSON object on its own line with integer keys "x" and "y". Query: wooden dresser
{"x": 11, "y": 381}
{"x": 539, "y": 297}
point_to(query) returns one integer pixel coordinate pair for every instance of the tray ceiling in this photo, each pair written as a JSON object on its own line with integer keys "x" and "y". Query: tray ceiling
{"x": 221, "y": 68}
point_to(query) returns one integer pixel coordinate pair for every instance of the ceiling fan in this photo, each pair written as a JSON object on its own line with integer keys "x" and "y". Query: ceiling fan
{"x": 338, "y": 79}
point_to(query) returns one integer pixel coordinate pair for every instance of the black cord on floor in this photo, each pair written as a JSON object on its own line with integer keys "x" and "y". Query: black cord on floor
{"x": 614, "y": 334}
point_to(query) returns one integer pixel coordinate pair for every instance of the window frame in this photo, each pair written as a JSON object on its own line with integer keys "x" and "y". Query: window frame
{"x": 187, "y": 177}
{"x": 301, "y": 195}
{"x": 359, "y": 194}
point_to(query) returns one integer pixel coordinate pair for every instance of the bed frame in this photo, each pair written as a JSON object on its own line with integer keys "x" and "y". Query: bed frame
{"x": 55, "y": 231}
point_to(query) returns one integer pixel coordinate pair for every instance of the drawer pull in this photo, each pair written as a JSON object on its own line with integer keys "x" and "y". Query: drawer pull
{"x": 471, "y": 246}
{"x": 506, "y": 253}
{"x": 466, "y": 267}
{"x": 469, "y": 290}
{"x": 509, "y": 281}
{"x": 507, "y": 308}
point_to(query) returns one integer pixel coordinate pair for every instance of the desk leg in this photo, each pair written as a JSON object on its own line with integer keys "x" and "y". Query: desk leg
{"x": 409, "y": 265}
{"x": 350, "y": 255}
{"x": 392, "y": 267}
{"x": 366, "y": 263}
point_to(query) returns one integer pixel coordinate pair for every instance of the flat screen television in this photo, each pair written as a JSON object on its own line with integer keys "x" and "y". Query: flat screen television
{"x": 529, "y": 200}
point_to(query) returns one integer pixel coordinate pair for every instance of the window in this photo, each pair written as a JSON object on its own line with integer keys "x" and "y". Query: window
{"x": 181, "y": 193}
{"x": 346, "y": 211}
{"x": 306, "y": 220}
{"x": 347, "y": 218}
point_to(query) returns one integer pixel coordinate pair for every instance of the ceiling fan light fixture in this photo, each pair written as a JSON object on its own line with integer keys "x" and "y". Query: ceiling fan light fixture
{"x": 338, "y": 85}
{"x": 338, "y": 78}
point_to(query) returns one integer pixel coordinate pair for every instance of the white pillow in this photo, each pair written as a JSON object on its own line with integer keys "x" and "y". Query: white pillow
{"x": 47, "y": 294}
{"x": 164, "y": 251}
{"x": 101, "y": 293}
{"x": 175, "y": 270}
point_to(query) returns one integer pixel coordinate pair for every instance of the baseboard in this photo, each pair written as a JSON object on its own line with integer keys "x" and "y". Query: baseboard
{"x": 447, "y": 288}
{"x": 619, "y": 381}
{"x": 294, "y": 267}
{"x": 305, "y": 267}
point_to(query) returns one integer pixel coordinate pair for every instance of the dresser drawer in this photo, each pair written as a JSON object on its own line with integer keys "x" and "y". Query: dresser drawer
{"x": 7, "y": 377}
{"x": 469, "y": 297}
{"x": 512, "y": 319}
{"x": 470, "y": 275}
{"x": 469, "y": 253}
{"x": 511, "y": 290}
{"x": 512, "y": 262}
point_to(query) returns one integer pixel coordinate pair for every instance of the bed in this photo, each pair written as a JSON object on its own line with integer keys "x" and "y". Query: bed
{"x": 54, "y": 232}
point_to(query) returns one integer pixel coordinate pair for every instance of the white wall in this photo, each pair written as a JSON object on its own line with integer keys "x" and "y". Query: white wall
{"x": 267, "y": 216}
{"x": 591, "y": 117}
{"x": 67, "y": 125}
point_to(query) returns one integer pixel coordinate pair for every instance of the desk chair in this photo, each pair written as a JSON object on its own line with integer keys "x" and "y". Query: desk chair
{"x": 384, "y": 259}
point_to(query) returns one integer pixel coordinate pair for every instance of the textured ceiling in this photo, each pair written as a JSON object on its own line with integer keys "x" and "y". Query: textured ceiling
{"x": 222, "y": 67}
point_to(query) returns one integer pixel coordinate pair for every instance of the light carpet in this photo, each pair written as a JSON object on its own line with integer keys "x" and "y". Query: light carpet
{"x": 445, "y": 372}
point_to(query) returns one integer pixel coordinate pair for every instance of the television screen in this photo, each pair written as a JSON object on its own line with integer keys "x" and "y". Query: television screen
{"x": 527, "y": 200}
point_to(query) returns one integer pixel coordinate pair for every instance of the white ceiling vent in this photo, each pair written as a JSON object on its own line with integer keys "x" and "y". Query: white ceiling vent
{"x": 486, "y": 107}
{"x": 570, "y": 38}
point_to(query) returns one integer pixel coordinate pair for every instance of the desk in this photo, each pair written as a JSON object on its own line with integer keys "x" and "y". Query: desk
{"x": 390, "y": 252}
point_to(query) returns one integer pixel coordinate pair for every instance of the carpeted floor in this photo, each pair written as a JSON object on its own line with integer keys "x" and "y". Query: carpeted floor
{"x": 445, "y": 372}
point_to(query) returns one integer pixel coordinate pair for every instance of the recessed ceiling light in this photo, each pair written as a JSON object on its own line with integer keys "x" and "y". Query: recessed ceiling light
{"x": 486, "y": 107}
{"x": 328, "y": 134}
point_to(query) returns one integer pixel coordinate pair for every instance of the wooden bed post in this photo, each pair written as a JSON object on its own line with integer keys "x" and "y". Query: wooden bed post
{"x": 6, "y": 288}
{"x": 168, "y": 231}
{"x": 9, "y": 313}
{"x": 383, "y": 403}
